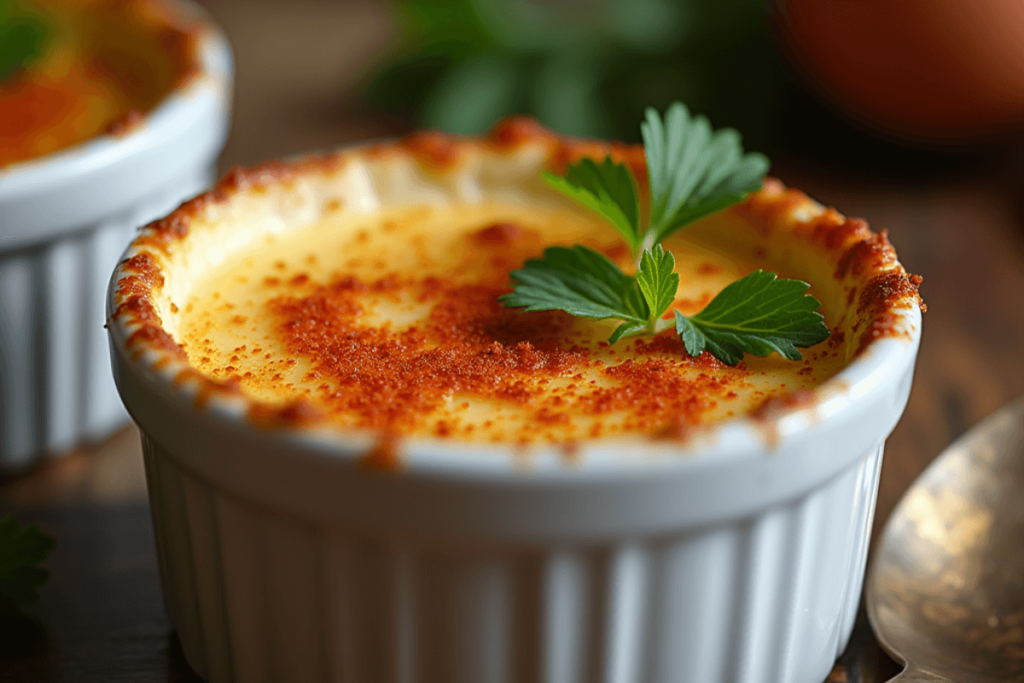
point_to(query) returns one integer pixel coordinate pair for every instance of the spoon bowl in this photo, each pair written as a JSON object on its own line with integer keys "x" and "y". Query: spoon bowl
{"x": 945, "y": 595}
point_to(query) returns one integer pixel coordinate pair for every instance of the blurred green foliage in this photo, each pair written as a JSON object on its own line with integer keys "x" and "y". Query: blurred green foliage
{"x": 583, "y": 67}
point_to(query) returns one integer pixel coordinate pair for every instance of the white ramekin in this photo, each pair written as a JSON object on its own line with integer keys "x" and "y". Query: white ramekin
{"x": 736, "y": 556}
{"x": 64, "y": 221}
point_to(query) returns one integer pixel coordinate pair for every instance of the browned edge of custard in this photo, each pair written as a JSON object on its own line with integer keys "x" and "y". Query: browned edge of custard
{"x": 879, "y": 288}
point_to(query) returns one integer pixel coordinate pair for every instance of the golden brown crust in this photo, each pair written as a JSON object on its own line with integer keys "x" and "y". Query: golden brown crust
{"x": 385, "y": 456}
{"x": 293, "y": 414}
{"x": 864, "y": 262}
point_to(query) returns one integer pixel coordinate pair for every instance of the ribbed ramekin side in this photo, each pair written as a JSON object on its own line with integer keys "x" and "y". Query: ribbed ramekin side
{"x": 867, "y": 497}
{"x": 261, "y": 596}
{"x": 56, "y": 389}
{"x": 798, "y": 596}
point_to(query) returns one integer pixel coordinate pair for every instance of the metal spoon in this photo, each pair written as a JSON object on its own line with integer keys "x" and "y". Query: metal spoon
{"x": 946, "y": 591}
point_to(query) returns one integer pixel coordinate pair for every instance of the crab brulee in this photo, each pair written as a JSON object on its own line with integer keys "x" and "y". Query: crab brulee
{"x": 370, "y": 297}
{"x": 513, "y": 408}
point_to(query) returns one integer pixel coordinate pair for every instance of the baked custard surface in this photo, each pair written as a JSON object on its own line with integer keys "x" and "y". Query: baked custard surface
{"x": 390, "y": 321}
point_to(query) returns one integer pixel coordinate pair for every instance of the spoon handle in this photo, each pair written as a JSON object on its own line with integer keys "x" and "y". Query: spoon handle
{"x": 914, "y": 675}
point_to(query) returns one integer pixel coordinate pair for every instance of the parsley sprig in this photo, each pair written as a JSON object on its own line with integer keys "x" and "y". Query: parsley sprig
{"x": 693, "y": 171}
{"x": 23, "y": 38}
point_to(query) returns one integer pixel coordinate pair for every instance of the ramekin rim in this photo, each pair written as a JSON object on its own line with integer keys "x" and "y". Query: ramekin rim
{"x": 885, "y": 357}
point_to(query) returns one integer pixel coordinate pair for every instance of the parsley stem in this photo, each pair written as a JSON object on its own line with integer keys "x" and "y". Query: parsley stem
{"x": 650, "y": 238}
{"x": 660, "y": 325}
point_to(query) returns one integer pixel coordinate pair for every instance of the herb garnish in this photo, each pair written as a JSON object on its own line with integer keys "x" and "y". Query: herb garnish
{"x": 22, "y": 38}
{"x": 693, "y": 172}
{"x": 21, "y": 549}
{"x": 757, "y": 314}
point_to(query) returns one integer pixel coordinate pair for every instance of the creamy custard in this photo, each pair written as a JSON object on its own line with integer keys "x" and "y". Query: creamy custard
{"x": 390, "y": 321}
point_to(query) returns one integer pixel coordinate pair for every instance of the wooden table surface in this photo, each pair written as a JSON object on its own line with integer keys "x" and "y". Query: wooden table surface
{"x": 959, "y": 222}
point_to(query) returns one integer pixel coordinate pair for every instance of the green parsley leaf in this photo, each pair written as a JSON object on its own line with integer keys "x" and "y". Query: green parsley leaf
{"x": 657, "y": 282}
{"x": 693, "y": 171}
{"x": 579, "y": 281}
{"x": 757, "y": 314}
{"x": 609, "y": 189}
{"x": 21, "y": 549}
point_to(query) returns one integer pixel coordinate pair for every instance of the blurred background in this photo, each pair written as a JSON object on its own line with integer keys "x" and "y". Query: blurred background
{"x": 910, "y": 114}
{"x": 796, "y": 77}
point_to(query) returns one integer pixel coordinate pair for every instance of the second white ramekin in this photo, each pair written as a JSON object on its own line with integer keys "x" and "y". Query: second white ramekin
{"x": 64, "y": 221}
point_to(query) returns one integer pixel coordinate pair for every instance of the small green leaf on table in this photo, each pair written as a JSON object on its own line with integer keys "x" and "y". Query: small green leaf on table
{"x": 22, "y": 549}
